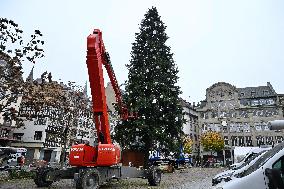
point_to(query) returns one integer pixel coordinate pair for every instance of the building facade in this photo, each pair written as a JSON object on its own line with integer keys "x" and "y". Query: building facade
{"x": 112, "y": 112}
{"x": 50, "y": 129}
{"x": 241, "y": 114}
{"x": 10, "y": 100}
{"x": 190, "y": 127}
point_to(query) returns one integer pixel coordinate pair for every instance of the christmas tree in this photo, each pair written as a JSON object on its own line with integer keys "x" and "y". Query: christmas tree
{"x": 151, "y": 91}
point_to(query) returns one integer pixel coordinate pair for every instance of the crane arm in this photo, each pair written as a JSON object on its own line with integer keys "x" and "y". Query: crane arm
{"x": 123, "y": 111}
{"x": 96, "y": 58}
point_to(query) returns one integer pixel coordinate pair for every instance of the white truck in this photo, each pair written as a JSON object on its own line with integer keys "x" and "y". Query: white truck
{"x": 265, "y": 173}
{"x": 10, "y": 156}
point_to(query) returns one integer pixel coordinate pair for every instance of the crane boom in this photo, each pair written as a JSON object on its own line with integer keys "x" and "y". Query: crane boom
{"x": 96, "y": 58}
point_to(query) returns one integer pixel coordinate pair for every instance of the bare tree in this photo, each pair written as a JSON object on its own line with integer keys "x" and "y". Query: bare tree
{"x": 63, "y": 105}
{"x": 14, "y": 51}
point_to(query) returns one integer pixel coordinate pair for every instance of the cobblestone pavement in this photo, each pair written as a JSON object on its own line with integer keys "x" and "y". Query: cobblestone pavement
{"x": 192, "y": 178}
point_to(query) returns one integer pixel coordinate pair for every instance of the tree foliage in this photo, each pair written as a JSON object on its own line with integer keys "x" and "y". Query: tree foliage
{"x": 187, "y": 145}
{"x": 212, "y": 141}
{"x": 151, "y": 91}
{"x": 67, "y": 102}
{"x": 66, "y": 106}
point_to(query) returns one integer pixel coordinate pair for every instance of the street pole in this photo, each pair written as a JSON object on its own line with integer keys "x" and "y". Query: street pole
{"x": 224, "y": 156}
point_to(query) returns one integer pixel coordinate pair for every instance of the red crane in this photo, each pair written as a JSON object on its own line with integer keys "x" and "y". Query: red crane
{"x": 95, "y": 164}
{"x": 105, "y": 153}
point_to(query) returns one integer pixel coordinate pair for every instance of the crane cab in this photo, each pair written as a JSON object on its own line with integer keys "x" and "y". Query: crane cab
{"x": 82, "y": 154}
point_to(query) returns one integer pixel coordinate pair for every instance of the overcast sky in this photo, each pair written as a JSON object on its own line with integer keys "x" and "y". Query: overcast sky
{"x": 239, "y": 42}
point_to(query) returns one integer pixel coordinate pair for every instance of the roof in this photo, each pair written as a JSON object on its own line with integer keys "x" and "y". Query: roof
{"x": 30, "y": 78}
{"x": 184, "y": 103}
{"x": 221, "y": 84}
{"x": 256, "y": 92}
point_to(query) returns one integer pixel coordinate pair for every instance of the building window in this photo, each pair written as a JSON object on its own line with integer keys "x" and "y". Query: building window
{"x": 254, "y": 102}
{"x": 266, "y": 128}
{"x": 205, "y": 115}
{"x": 214, "y": 114}
{"x": 260, "y": 140}
{"x": 279, "y": 139}
{"x": 246, "y": 128}
{"x": 262, "y": 101}
{"x": 269, "y": 140}
{"x": 14, "y": 98}
{"x": 18, "y": 136}
{"x": 234, "y": 141}
{"x": 241, "y": 141}
{"x": 248, "y": 141}
{"x": 253, "y": 93}
{"x": 243, "y": 114}
{"x": 204, "y": 127}
{"x": 265, "y": 93}
{"x": 38, "y": 135}
{"x": 245, "y": 102}
{"x": 226, "y": 140}
{"x": 258, "y": 127}
{"x": 270, "y": 102}
{"x": 225, "y": 129}
{"x": 4, "y": 133}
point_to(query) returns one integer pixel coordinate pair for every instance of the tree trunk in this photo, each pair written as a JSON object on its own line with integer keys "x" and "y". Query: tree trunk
{"x": 146, "y": 159}
{"x": 146, "y": 154}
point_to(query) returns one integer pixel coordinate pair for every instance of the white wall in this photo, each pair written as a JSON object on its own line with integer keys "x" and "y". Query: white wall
{"x": 15, "y": 105}
{"x": 29, "y": 131}
{"x": 187, "y": 125}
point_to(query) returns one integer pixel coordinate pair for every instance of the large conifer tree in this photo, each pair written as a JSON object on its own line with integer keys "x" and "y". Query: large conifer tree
{"x": 152, "y": 92}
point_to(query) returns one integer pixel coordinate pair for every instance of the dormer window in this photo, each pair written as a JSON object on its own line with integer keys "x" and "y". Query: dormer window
{"x": 265, "y": 93}
{"x": 252, "y": 93}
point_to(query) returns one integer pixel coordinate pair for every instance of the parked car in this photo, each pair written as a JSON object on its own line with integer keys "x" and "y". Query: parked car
{"x": 165, "y": 165}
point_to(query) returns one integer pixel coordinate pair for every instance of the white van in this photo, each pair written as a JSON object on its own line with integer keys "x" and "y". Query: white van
{"x": 229, "y": 174}
{"x": 251, "y": 153}
{"x": 266, "y": 172}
